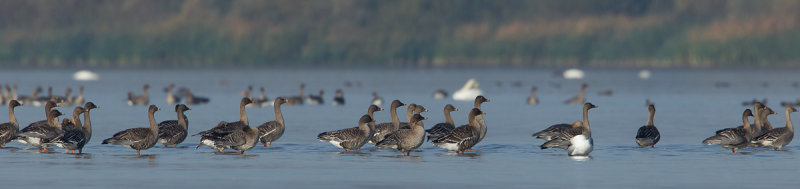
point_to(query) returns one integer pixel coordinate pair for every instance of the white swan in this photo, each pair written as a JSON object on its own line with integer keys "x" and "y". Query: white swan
{"x": 573, "y": 73}
{"x": 469, "y": 91}
{"x": 644, "y": 74}
{"x": 85, "y": 75}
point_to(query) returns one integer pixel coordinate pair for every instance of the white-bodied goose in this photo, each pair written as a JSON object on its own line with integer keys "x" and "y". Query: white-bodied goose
{"x": 554, "y": 130}
{"x": 441, "y": 129}
{"x": 581, "y": 96}
{"x": 648, "y": 134}
{"x": 173, "y": 132}
{"x": 464, "y": 137}
{"x": 224, "y": 126}
{"x": 733, "y": 138}
{"x": 383, "y": 129}
{"x": 240, "y": 139}
{"x": 338, "y": 100}
{"x": 139, "y": 100}
{"x": 138, "y": 138}
{"x": 406, "y": 140}
{"x": 533, "y": 99}
{"x": 351, "y": 138}
{"x": 39, "y": 134}
{"x": 9, "y": 130}
{"x": 273, "y": 130}
{"x": 376, "y": 100}
{"x": 577, "y": 139}
{"x": 778, "y": 137}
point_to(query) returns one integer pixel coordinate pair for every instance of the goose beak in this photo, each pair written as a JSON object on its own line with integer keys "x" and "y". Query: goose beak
{"x": 456, "y": 109}
{"x": 380, "y": 109}
{"x": 483, "y": 113}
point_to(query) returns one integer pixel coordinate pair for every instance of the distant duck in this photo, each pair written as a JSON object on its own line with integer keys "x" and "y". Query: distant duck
{"x": 440, "y": 94}
{"x": 138, "y": 138}
{"x": 191, "y": 99}
{"x": 573, "y": 73}
{"x": 516, "y": 84}
{"x": 273, "y": 130}
{"x": 778, "y": 137}
{"x": 606, "y": 93}
{"x": 173, "y": 132}
{"x": 722, "y": 84}
{"x": 581, "y": 96}
{"x": 171, "y": 98}
{"x": 262, "y": 99}
{"x": 297, "y": 100}
{"x": 240, "y": 139}
{"x": 576, "y": 138}
{"x": 469, "y": 91}
{"x": 461, "y": 138}
{"x": 139, "y": 100}
{"x": 9, "y": 130}
{"x": 533, "y": 99}
{"x": 33, "y": 99}
{"x": 733, "y": 138}
{"x": 315, "y": 100}
{"x": 407, "y": 140}
{"x": 376, "y": 100}
{"x": 441, "y": 129}
{"x": 351, "y": 138}
{"x": 339, "y": 99}
{"x": 751, "y": 102}
{"x": 648, "y": 134}
{"x": 85, "y": 75}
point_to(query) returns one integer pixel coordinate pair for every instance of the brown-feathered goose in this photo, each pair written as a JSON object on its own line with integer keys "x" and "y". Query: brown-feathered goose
{"x": 441, "y": 129}
{"x": 297, "y": 100}
{"x": 78, "y": 99}
{"x": 75, "y": 122}
{"x": 778, "y": 137}
{"x": 138, "y": 138}
{"x": 9, "y": 130}
{"x": 533, "y": 99}
{"x": 37, "y": 134}
{"x": 406, "y": 140}
{"x": 224, "y": 126}
{"x": 581, "y": 96}
{"x": 412, "y": 109}
{"x": 240, "y": 139}
{"x": 140, "y": 100}
{"x": 577, "y": 139}
{"x": 173, "y": 132}
{"x": 74, "y": 136}
{"x": 733, "y": 138}
{"x": 383, "y": 129}
{"x": 351, "y": 138}
{"x": 554, "y": 130}
{"x": 315, "y": 100}
{"x": 171, "y": 98}
{"x": 464, "y": 137}
{"x": 648, "y": 134}
{"x": 273, "y": 130}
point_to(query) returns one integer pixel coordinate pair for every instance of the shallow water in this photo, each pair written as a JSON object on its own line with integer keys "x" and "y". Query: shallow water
{"x": 689, "y": 109}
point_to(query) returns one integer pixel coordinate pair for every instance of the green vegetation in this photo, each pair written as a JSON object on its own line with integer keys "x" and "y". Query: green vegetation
{"x": 395, "y": 33}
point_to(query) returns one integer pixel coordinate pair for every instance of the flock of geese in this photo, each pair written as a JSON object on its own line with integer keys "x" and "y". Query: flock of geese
{"x": 72, "y": 134}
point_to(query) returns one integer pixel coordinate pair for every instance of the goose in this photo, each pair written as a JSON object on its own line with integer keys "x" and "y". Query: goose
{"x": 441, "y": 129}
{"x": 297, "y": 100}
{"x": 778, "y": 137}
{"x": 339, "y": 99}
{"x": 65, "y": 100}
{"x": 581, "y": 96}
{"x": 371, "y": 111}
{"x": 406, "y": 140}
{"x": 315, "y": 99}
{"x": 464, "y": 137}
{"x": 171, "y": 98}
{"x": 376, "y": 100}
{"x": 440, "y": 94}
{"x": 78, "y": 98}
{"x": 6, "y": 94}
{"x": 554, "y": 130}
{"x": 75, "y": 122}
{"x": 139, "y": 100}
{"x": 262, "y": 99}
{"x": 760, "y": 124}
{"x": 383, "y": 129}
{"x": 483, "y": 129}
{"x": 77, "y": 139}
{"x": 412, "y": 109}
{"x": 350, "y": 138}
{"x": 33, "y": 99}
{"x": 273, "y": 130}
{"x": 469, "y": 91}
{"x": 38, "y": 135}
{"x": 577, "y": 139}
{"x": 533, "y": 99}
{"x": 733, "y": 138}
{"x": 224, "y": 126}
{"x": 9, "y": 130}
{"x": 191, "y": 99}
{"x": 73, "y": 136}
{"x": 240, "y": 139}
{"x": 138, "y": 138}
{"x": 648, "y": 134}
{"x": 173, "y": 132}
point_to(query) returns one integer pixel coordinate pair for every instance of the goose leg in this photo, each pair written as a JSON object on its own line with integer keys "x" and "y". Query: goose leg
{"x": 735, "y": 150}
{"x": 165, "y": 145}
{"x": 265, "y": 145}
{"x": 66, "y": 151}
{"x": 652, "y": 146}
{"x": 175, "y": 145}
{"x": 268, "y": 145}
{"x": 137, "y": 153}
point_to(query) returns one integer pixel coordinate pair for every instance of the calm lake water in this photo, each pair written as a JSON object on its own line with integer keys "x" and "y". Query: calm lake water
{"x": 689, "y": 108}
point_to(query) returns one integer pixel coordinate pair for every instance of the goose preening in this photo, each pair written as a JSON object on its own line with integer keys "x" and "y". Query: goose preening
{"x": 576, "y": 139}
{"x": 606, "y": 93}
{"x": 441, "y": 129}
{"x": 733, "y": 138}
{"x": 581, "y": 96}
{"x": 376, "y": 100}
{"x": 338, "y": 100}
{"x": 469, "y": 91}
{"x": 464, "y": 137}
{"x": 440, "y": 94}
{"x": 38, "y": 133}
{"x": 406, "y": 140}
{"x": 273, "y": 130}
{"x": 315, "y": 100}
{"x": 139, "y": 100}
{"x": 533, "y": 99}
{"x": 648, "y": 134}
{"x": 383, "y": 129}
{"x": 72, "y": 135}
{"x": 33, "y": 99}
{"x": 224, "y": 127}
{"x": 76, "y": 139}
{"x": 9, "y": 130}
{"x": 173, "y": 132}
{"x": 297, "y": 100}
{"x": 778, "y": 137}
{"x": 138, "y": 138}
{"x": 171, "y": 97}
{"x": 351, "y": 138}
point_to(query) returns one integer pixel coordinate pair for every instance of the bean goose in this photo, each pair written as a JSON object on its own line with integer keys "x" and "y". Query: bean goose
{"x": 138, "y": 138}
{"x": 75, "y": 122}
{"x": 74, "y": 136}
{"x": 406, "y": 140}
{"x": 350, "y": 138}
{"x": 383, "y": 129}
{"x": 262, "y": 99}
{"x": 224, "y": 126}
{"x": 581, "y": 96}
{"x": 441, "y": 129}
{"x": 412, "y": 109}
{"x": 778, "y": 137}
{"x": 9, "y": 130}
{"x": 192, "y": 99}
{"x": 577, "y": 139}
{"x": 273, "y": 130}
{"x": 648, "y": 134}
{"x": 171, "y": 98}
{"x": 554, "y": 130}
{"x": 139, "y": 100}
{"x": 464, "y": 137}
{"x": 39, "y": 134}
{"x": 240, "y": 139}
{"x": 297, "y": 100}
{"x": 533, "y": 99}
{"x": 173, "y": 132}
{"x": 733, "y": 138}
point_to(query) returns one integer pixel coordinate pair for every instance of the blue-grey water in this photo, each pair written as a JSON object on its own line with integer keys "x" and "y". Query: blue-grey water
{"x": 689, "y": 108}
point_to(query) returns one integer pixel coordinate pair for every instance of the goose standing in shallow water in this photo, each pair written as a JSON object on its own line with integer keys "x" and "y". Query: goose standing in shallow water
{"x": 38, "y": 133}
{"x": 412, "y": 109}
{"x": 483, "y": 129}
{"x": 464, "y": 137}
{"x": 577, "y": 139}
{"x": 407, "y": 140}
{"x": 273, "y": 130}
{"x": 383, "y": 129}
{"x": 9, "y": 130}
{"x": 138, "y": 138}
{"x": 76, "y": 139}
{"x": 351, "y": 138}
{"x": 441, "y": 129}
{"x": 262, "y": 99}
{"x": 72, "y": 135}
{"x": 297, "y": 100}
{"x": 78, "y": 100}
{"x": 778, "y": 137}
{"x": 75, "y": 122}
{"x": 173, "y": 132}
{"x": 533, "y": 99}
{"x": 241, "y": 139}
{"x": 733, "y": 138}
{"x": 171, "y": 98}
{"x": 648, "y": 134}
{"x": 224, "y": 126}
{"x": 581, "y": 96}
{"x": 139, "y": 100}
